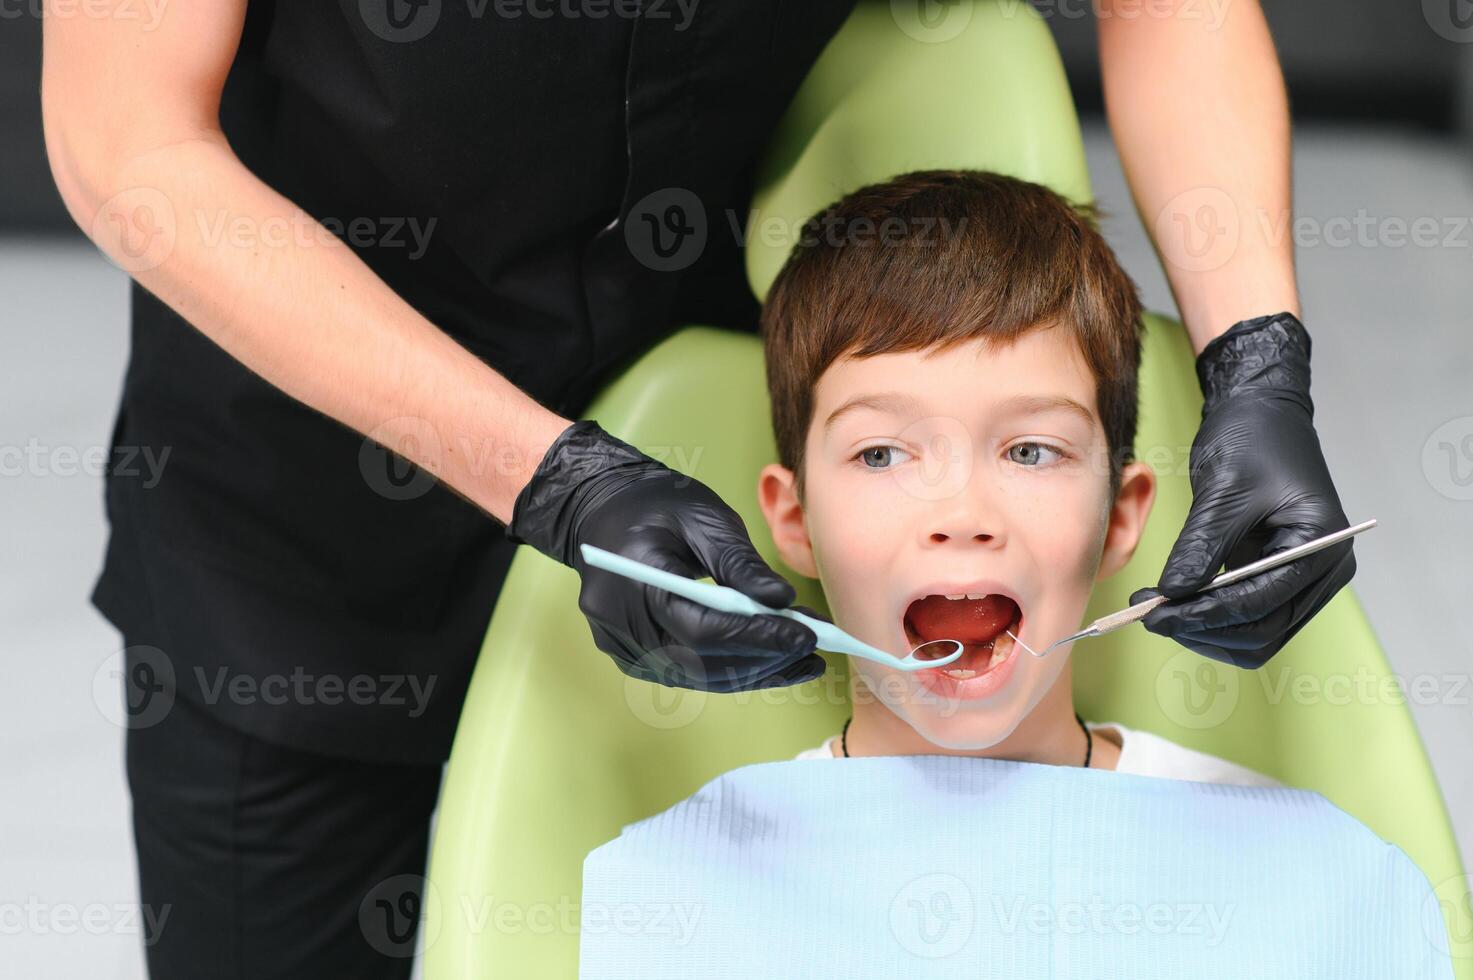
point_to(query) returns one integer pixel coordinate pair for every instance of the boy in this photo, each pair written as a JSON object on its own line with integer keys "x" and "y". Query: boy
{"x": 955, "y": 413}
{"x": 952, "y": 360}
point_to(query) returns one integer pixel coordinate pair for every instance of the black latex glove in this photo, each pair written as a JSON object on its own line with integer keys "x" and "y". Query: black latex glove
{"x": 1259, "y": 485}
{"x": 592, "y": 488}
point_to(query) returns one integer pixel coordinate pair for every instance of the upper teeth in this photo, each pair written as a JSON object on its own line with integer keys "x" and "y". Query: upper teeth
{"x": 969, "y": 595}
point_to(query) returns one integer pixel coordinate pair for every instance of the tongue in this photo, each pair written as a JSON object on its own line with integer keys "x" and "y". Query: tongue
{"x": 968, "y": 620}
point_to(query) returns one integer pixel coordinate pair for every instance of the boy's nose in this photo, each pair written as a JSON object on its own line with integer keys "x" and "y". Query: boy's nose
{"x": 966, "y": 524}
{"x": 978, "y": 537}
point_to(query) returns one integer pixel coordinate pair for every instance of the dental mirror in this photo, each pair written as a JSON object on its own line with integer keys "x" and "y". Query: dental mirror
{"x": 929, "y": 655}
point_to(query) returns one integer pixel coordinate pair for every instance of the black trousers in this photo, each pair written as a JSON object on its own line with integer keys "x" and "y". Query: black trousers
{"x": 257, "y": 861}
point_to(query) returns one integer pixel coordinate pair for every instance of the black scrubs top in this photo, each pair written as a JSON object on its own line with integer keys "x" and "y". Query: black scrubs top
{"x": 294, "y": 576}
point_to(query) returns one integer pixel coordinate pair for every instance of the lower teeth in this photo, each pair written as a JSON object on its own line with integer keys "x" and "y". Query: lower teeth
{"x": 962, "y": 674}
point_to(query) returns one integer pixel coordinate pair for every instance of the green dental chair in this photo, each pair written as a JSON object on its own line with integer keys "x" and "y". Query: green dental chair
{"x": 556, "y": 748}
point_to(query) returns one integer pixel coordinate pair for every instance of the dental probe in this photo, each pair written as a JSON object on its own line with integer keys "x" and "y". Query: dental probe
{"x": 1132, "y": 614}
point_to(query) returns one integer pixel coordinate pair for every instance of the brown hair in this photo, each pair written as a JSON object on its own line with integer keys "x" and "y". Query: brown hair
{"x": 937, "y": 258}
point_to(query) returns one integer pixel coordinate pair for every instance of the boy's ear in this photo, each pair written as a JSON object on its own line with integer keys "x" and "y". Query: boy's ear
{"x": 1127, "y": 517}
{"x": 778, "y": 497}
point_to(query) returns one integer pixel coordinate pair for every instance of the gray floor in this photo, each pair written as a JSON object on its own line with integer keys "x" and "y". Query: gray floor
{"x": 1393, "y": 358}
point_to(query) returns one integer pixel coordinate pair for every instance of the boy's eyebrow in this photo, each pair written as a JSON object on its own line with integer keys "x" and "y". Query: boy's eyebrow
{"x": 898, "y": 402}
{"x": 1031, "y": 404}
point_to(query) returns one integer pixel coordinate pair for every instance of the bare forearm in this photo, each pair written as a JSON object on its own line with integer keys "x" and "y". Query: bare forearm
{"x": 1198, "y": 110}
{"x": 294, "y": 304}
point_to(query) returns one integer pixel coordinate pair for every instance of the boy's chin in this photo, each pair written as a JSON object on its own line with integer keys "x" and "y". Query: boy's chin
{"x": 972, "y": 726}
{"x": 964, "y": 731}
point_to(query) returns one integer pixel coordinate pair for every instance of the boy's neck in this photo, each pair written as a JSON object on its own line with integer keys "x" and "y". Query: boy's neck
{"x": 1049, "y": 734}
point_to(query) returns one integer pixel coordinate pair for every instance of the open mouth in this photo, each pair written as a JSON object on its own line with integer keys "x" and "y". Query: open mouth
{"x": 979, "y": 621}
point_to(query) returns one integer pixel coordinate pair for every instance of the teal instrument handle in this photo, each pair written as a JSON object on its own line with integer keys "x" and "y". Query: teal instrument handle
{"x": 726, "y": 599}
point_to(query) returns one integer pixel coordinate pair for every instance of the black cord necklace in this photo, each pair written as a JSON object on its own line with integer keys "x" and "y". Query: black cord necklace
{"x": 1089, "y": 739}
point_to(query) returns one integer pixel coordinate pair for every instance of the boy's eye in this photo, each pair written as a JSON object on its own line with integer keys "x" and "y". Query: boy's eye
{"x": 1030, "y": 456}
{"x": 879, "y": 457}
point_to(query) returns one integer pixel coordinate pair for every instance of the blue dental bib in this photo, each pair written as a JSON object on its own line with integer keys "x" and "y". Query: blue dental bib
{"x": 935, "y": 866}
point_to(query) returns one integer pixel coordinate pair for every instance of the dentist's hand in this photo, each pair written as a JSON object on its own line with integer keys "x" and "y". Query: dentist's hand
{"x": 1259, "y": 485}
{"x": 592, "y": 488}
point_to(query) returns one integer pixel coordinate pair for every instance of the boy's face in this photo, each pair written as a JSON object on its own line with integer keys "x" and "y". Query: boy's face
{"x": 962, "y": 471}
